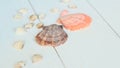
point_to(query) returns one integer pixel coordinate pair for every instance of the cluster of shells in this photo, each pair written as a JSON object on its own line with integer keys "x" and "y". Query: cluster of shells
{"x": 32, "y": 18}
{"x": 19, "y": 44}
{"x": 35, "y": 59}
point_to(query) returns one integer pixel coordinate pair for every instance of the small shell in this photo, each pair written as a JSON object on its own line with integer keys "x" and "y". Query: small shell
{"x": 23, "y": 10}
{"x": 65, "y": 1}
{"x": 72, "y": 6}
{"x": 39, "y": 25}
{"x": 29, "y": 25}
{"x": 36, "y": 58}
{"x": 33, "y": 17}
{"x": 42, "y": 16}
{"x": 19, "y": 64}
{"x": 18, "y": 16}
{"x": 18, "y": 45}
{"x": 54, "y": 10}
{"x": 20, "y": 31}
{"x": 22, "y": 63}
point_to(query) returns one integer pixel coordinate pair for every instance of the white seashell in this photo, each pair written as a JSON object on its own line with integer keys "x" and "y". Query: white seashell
{"x": 29, "y": 25}
{"x": 33, "y": 17}
{"x": 22, "y": 63}
{"x": 18, "y": 16}
{"x": 23, "y": 10}
{"x": 36, "y": 58}
{"x": 20, "y": 31}
{"x": 72, "y": 6}
{"x": 54, "y": 10}
{"x": 19, "y": 64}
{"x": 65, "y": 1}
{"x": 42, "y": 16}
{"x": 39, "y": 25}
{"x": 18, "y": 45}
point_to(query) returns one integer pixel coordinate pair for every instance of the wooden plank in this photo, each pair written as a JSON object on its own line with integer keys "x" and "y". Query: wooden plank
{"x": 94, "y": 47}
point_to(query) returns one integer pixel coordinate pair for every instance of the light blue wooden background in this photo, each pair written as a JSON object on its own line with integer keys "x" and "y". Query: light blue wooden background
{"x": 95, "y": 47}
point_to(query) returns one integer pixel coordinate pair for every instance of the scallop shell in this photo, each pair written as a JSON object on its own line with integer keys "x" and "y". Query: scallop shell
{"x": 75, "y": 21}
{"x": 52, "y": 35}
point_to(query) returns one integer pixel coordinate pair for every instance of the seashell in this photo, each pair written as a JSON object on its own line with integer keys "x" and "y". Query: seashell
{"x": 20, "y": 30}
{"x": 39, "y": 25}
{"x": 18, "y": 45}
{"x": 33, "y": 17}
{"x": 28, "y": 25}
{"x": 19, "y": 64}
{"x": 52, "y": 35}
{"x": 72, "y": 6}
{"x": 36, "y": 58}
{"x": 65, "y": 1}
{"x": 23, "y": 10}
{"x": 42, "y": 16}
{"x": 55, "y": 10}
{"x": 74, "y": 21}
{"x": 18, "y": 16}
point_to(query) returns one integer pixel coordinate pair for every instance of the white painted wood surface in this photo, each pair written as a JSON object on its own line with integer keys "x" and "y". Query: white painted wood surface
{"x": 94, "y": 47}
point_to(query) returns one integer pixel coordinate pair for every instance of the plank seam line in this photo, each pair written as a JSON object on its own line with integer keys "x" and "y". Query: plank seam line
{"x": 52, "y": 47}
{"x": 114, "y": 31}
